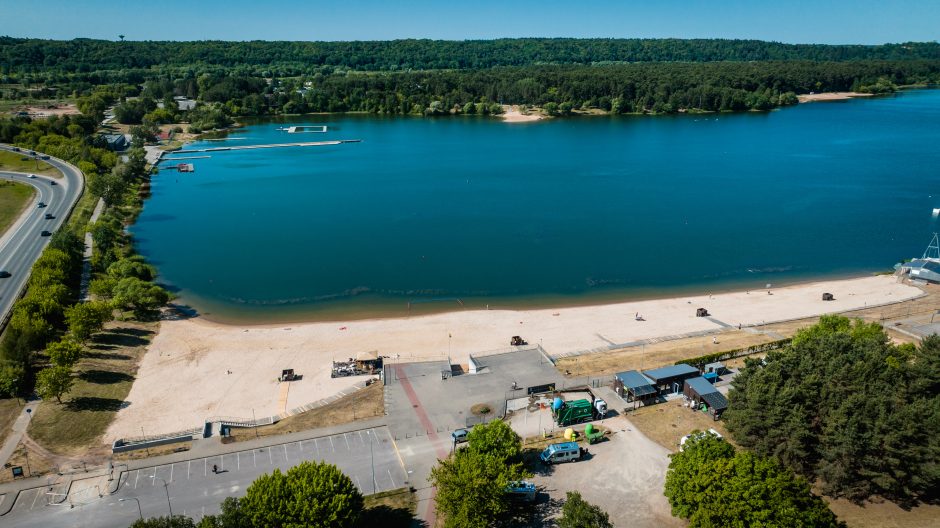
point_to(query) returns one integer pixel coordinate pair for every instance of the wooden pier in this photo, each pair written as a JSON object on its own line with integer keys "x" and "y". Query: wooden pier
{"x": 273, "y": 145}
{"x": 185, "y": 158}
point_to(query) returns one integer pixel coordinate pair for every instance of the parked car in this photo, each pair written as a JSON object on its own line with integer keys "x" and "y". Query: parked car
{"x": 4, "y": 274}
{"x": 563, "y": 452}
{"x": 697, "y": 435}
{"x": 460, "y": 435}
{"x": 521, "y": 490}
{"x": 45, "y": 233}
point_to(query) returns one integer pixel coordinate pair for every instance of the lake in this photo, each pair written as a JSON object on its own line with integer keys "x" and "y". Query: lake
{"x": 437, "y": 213}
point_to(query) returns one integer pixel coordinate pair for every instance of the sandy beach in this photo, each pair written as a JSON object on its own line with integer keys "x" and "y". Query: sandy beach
{"x": 511, "y": 114}
{"x": 196, "y": 369}
{"x": 830, "y": 96}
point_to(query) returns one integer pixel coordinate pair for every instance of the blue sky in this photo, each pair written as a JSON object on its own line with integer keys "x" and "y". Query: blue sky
{"x": 819, "y": 21}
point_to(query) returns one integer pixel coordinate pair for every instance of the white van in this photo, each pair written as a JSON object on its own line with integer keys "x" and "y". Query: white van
{"x": 563, "y": 452}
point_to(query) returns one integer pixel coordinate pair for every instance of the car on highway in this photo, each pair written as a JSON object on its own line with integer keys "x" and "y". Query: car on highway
{"x": 44, "y": 157}
{"x": 16, "y": 149}
{"x": 32, "y": 176}
{"x": 4, "y": 274}
{"x": 51, "y": 182}
{"x": 45, "y": 233}
{"x": 41, "y": 205}
{"x": 49, "y": 216}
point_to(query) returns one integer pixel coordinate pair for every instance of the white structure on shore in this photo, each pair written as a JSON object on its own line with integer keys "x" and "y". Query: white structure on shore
{"x": 926, "y": 268}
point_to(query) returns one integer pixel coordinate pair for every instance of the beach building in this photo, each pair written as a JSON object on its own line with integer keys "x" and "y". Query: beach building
{"x": 705, "y": 396}
{"x": 633, "y": 386}
{"x": 922, "y": 269}
{"x": 116, "y": 142}
{"x": 669, "y": 379}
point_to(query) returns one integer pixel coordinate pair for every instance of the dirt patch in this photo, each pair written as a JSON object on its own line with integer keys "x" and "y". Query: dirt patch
{"x": 666, "y": 423}
{"x": 884, "y": 515}
{"x": 481, "y": 409}
{"x": 393, "y": 508}
{"x": 360, "y": 405}
{"x": 167, "y": 449}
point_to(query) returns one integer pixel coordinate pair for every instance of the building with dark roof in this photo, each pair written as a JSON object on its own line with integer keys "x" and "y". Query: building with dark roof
{"x": 116, "y": 142}
{"x": 669, "y": 379}
{"x": 633, "y": 386}
{"x": 705, "y": 395}
{"x": 923, "y": 269}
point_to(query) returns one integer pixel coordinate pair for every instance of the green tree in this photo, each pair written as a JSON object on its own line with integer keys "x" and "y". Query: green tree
{"x": 12, "y": 377}
{"x": 109, "y": 186}
{"x": 230, "y": 516}
{"x": 64, "y": 353}
{"x": 711, "y": 485}
{"x": 314, "y": 494}
{"x": 132, "y": 267}
{"x": 495, "y": 438}
{"x": 141, "y": 297}
{"x": 177, "y": 521}
{"x": 103, "y": 287}
{"x": 578, "y": 513}
{"x": 84, "y": 319}
{"x": 54, "y": 382}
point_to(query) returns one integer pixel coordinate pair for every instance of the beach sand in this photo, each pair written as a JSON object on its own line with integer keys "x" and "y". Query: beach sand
{"x": 196, "y": 369}
{"x": 511, "y": 114}
{"x": 830, "y": 96}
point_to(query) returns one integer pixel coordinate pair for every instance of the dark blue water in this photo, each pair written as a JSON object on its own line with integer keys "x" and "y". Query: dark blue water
{"x": 563, "y": 211}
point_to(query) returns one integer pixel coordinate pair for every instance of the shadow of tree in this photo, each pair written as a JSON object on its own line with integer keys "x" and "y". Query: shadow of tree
{"x": 121, "y": 337}
{"x": 85, "y": 403}
{"x": 538, "y": 514}
{"x": 105, "y": 377}
{"x": 389, "y": 517}
{"x": 105, "y": 355}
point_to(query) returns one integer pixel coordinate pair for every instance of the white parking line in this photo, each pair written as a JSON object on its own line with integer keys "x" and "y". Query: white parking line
{"x": 254, "y": 458}
{"x": 301, "y": 444}
{"x": 153, "y": 479}
{"x": 38, "y": 492}
{"x": 285, "y": 452}
{"x": 270, "y": 457}
{"x": 346, "y": 437}
{"x": 238, "y": 459}
{"x": 222, "y": 463}
{"x": 189, "y": 466}
{"x": 391, "y": 478}
{"x": 136, "y": 478}
{"x": 205, "y": 467}
{"x": 171, "y": 472}
{"x": 331, "y": 444}
{"x": 317, "y": 444}
{"x": 358, "y": 484}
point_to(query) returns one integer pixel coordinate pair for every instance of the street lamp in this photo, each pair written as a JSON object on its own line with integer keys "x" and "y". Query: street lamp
{"x": 139, "y": 511}
{"x": 166, "y": 488}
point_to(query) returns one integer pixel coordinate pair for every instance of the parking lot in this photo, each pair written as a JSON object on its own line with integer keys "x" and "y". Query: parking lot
{"x": 196, "y": 491}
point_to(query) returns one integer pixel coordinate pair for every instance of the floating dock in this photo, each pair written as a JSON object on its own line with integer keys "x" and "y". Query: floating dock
{"x": 273, "y": 145}
{"x": 186, "y": 167}
{"x": 185, "y": 158}
{"x": 301, "y": 129}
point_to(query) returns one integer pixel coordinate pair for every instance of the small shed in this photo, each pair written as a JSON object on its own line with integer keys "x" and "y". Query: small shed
{"x": 116, "y": 142}
{"x": 828, "y": 297}
{"x": 633, "y": 386}
{"x": 701, "y": 312}
{"x": 669, "y": 379}
{"x": 718, "y": 368}
{"x": 705, "y": 395}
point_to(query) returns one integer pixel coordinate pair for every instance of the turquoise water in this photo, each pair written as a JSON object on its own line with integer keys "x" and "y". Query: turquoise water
{"x": 565, "y": 211}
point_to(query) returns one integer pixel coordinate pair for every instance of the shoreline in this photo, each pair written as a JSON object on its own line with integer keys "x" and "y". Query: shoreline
{"x": 830, "y": 96}
{"x": 195, "y": 368}
{"x": 371, "y": 307}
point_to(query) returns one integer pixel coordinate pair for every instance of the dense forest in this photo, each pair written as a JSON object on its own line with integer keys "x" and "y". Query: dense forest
{"x": 428, "y": 77}
{"x": 85, "y": 55}
{"x": 848, "y": 408}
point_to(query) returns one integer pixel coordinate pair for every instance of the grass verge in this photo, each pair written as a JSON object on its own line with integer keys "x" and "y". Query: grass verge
{"x": 14, "y": 162}
{"x": 666, "y": 423}
{"x": 14, "y": 198}
{"x": 360, "y": 405}
{"x": 392, "y": 508}
{"x": 103, "y": 378}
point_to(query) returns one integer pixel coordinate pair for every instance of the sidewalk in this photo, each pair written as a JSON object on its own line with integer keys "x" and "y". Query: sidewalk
{"x": 16, "y": 434}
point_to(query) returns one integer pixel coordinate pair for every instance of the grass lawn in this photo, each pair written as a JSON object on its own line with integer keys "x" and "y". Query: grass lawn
{"x": 13, "y": 162}
{"x": 103, "y": 379}
{"x": 392, "y": 508}
{"x": 14, "y": 198}
{"x": 360, "y": 405}
{"x": 82, "y": 212}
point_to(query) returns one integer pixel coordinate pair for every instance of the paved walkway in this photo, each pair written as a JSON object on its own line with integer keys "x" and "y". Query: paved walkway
{"x": 89, "y": 251}
{"x": 19, "y": 429}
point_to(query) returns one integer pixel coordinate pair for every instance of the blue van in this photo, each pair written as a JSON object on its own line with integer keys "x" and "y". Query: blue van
{"x": 563, "y": 452}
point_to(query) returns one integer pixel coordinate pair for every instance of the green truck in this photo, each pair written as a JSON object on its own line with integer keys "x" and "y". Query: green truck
{"x": 573, "y": 412}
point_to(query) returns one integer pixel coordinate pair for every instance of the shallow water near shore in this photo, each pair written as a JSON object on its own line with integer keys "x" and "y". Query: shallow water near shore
{"x": 453, "y": 213}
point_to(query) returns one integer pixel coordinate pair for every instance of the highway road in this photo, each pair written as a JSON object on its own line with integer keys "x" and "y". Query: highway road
{"x": 22, "y": 244}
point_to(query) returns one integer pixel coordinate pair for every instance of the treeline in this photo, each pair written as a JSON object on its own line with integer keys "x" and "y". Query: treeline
{"x": 634, "y": 88}
{"x": 49, "y": 326}
{"x": 848, "y": 408}
{"x": 21, "y": 56}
